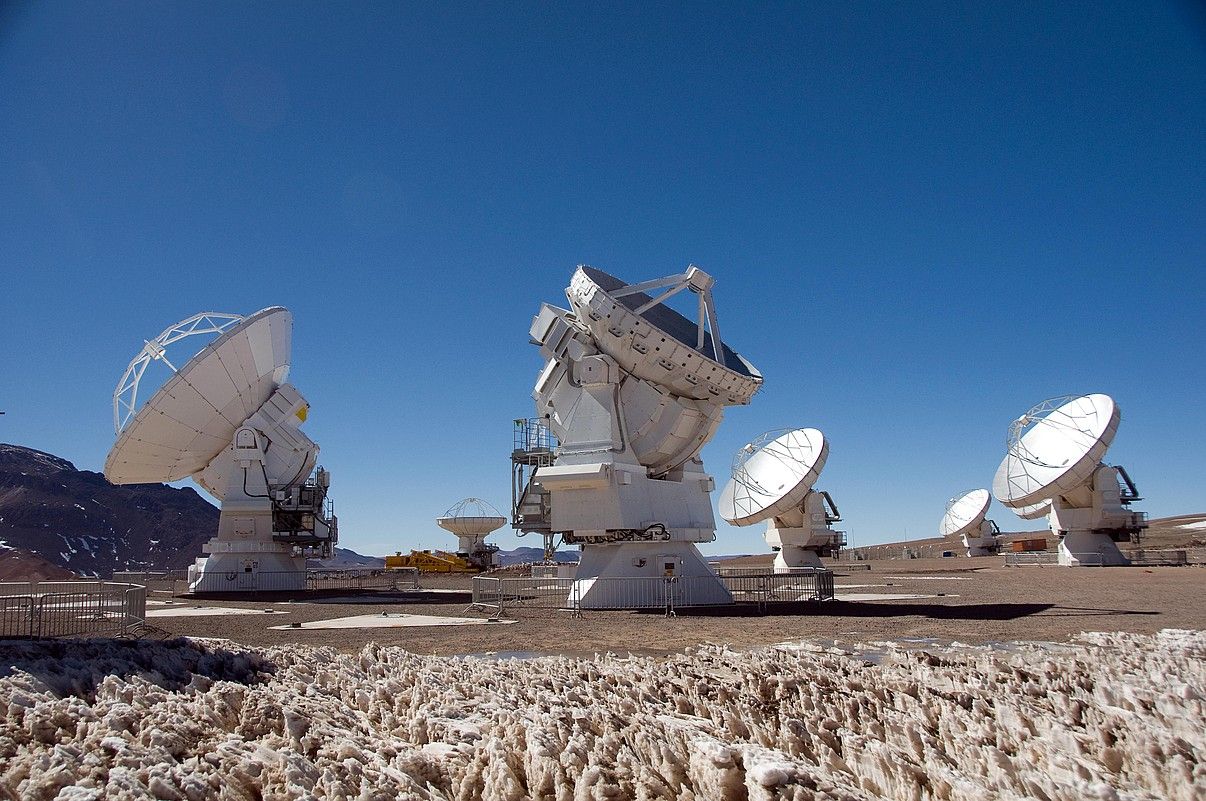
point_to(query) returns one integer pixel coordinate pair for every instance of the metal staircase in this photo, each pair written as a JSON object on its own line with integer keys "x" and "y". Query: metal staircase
{"x": 534, "y": 446}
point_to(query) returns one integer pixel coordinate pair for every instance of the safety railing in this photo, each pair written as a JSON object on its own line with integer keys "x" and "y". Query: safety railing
{"x": 402, "y": 578}
{"x": 724, "y": 572}
{"x": 17, "y": 615}
{"x": 399, "y": 579}
{"x": 498, "y": 594}
{"x": 1024, "y": 558}
{"x": 768, "y": 588}
{"x": 70, "y": 608}
{"x": 1168, "y": 558}
{"x": 1148, "y": 558}
{"x": 171, "y": 581}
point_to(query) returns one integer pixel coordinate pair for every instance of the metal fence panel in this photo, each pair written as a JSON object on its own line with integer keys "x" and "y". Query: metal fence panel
{"x": 308, "y": 580}
{"x": 70, "y": 608}
{"x": 16, "y": 615}
{"x": 1024, "y": 558}
{"x": 498, "y": 594}
{"x": 1169, "y": 558}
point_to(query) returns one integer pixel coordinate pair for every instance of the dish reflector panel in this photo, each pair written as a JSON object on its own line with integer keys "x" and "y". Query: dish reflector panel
{"x": 655, "y": 342}
{"x": 125, "y": 398}
{"x": 964, "y": 512}
{"x": 193, "y": 417}
{"x": 1054, "y": 448}
{"x": 772, "y": 476}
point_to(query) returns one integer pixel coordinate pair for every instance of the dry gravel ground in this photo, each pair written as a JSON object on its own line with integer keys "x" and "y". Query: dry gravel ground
{"x": 993, "y": 603}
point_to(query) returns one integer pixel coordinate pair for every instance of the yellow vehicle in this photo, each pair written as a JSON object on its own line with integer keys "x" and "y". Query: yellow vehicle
{"x": 432, "y": 562}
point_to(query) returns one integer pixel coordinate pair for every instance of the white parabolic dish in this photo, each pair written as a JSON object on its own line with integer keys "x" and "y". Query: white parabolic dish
{"x": 965, "y": 512}
{"x": 1056, "y": 449}
{"x": 193, "y": 417}
{"x": 471, "y": 517}
{"x": 775, "y": 478}
{"x": 462, "y": 526}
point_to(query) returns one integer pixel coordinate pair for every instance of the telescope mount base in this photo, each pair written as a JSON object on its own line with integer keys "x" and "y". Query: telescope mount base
{"x": 646, "y": 575}
{"x": 1090, "y": 549}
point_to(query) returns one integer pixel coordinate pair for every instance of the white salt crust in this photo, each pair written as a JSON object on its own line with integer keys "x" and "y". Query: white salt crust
{"x": 1109, "y": 716}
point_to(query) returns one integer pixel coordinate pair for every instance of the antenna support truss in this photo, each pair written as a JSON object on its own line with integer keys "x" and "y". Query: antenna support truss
{"x": 1040, "y": 414}
{"x": 125, "y": 397}
{"x": 698, "y": 282}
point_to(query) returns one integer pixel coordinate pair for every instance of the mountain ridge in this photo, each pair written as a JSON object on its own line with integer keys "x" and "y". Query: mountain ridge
{"x": 57, "y": 520}
{"x": 79, "y": 521}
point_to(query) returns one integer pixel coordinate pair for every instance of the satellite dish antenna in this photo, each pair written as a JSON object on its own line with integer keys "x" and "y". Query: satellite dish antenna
{"x": 966, "y": 517}
{"x": 228, "y": 419}
{"x": 471, "y": 520}
{"x": 631, "y": 391}
{"x": 1054, "y": 457}
{"x": 772, "y": 480}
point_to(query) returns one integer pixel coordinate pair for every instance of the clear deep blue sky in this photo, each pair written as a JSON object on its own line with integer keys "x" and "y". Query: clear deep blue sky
{"x": 922, "y": 218}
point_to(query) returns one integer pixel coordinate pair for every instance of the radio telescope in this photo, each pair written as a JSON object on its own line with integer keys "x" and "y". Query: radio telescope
{"x": 632, "y": 390}
{"x": 772, "y": 480}
{"x": 966, "y": 517}
{"x": 228, "y": 419}
{"x": 1054, "y": 457}
{"x": 471, "y": 520}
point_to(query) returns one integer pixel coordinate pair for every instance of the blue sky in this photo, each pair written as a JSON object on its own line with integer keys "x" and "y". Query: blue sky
{"x": 923, "y": 218}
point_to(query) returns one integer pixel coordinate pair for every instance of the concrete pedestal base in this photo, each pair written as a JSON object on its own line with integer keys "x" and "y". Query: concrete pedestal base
{"x": 981, "y": 546}
{"x": 792, "y": 558}
{"x": 1089, "y": 549}
{"x": 637, "y": 575}
{"x": 231, "y": 570}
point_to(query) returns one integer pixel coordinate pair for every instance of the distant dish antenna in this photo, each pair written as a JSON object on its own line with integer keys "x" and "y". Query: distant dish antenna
{"x": 631, "y": 391}
{"x": 966, "y": 517}
{"x": 227, "y": 419}
{"x": 772, "y": 480}
{"x": 1054, "y": 459}
{"x": 471, "y": 520}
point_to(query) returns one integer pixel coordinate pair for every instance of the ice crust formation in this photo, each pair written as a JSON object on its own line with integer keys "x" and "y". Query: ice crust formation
{"x": 1108, "y": 716}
